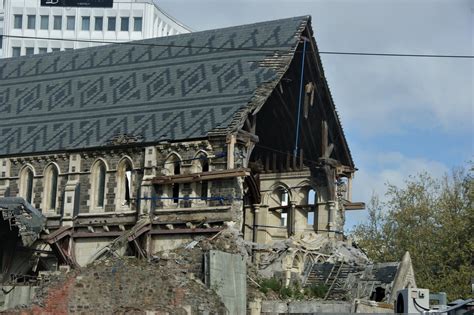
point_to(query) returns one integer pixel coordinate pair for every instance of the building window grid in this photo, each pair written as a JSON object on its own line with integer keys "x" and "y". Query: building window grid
{"x": 29, "y": 51}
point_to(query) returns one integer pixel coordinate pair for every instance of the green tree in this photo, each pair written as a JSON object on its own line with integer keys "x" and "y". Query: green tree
{"x": 431, "y": 218}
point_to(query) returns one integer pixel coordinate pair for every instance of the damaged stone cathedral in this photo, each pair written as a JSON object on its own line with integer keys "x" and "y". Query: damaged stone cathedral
{"x": 143, "y": 147}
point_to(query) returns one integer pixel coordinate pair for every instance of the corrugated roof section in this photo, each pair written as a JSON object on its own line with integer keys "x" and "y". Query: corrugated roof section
{"x": 170, "y": 88}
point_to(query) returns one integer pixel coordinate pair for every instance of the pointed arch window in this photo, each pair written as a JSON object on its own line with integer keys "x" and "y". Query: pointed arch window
{"x": 26, "y": 184}
{"x": 124, "y": 183}
{"x": 172, "y": 166}
{"x": 200, "y": 165}
{"x": 99, "y": 175}
{"x": 50, "y": 194}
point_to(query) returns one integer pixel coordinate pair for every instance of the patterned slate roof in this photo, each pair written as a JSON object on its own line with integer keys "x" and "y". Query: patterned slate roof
{"x": 170, "y": 88}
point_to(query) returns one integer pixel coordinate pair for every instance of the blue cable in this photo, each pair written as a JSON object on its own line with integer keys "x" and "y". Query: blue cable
{"x": 295, "y": 153}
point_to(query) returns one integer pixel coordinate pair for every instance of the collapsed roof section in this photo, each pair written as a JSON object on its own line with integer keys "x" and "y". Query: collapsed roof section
{"x": 173, "y": 88}
{"x": 20, "y": 215}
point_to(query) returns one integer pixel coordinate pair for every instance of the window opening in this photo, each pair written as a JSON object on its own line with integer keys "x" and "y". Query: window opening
{"x": 44, "y": 22}
{"x": 18, "y": 21}
{"x": 86, "y": 21}
{"x": 137, "y": 24}
{"x": 101, "y": 185}
{"x": 111, "y": 23}
{"x": 312, "y": 206}
{"x": 57, "y": 22}
{"x": 71, "y": 23}
{"x": 176, "y": 171}
{"x": 284, "y": 198}
{"x": 31, "y": 22}
{"x": 284, "y": 218}
{"x": 204, "y": 184}
{"x": 54, "y": 188}
{"x": 124, "y": 22}
{"x": 99, "y": 22}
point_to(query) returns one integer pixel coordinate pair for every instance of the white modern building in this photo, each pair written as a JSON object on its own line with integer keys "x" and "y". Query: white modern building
{"x": 28, "y": 27}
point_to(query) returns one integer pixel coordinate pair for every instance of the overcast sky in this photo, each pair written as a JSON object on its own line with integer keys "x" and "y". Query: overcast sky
{"x": 401, "y": 115}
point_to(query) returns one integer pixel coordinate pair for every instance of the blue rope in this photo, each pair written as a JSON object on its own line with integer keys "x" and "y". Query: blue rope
{"x": 295, "y": 153}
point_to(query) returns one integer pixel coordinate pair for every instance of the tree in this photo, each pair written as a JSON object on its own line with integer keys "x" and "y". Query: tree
{"x": 431, "y": 218}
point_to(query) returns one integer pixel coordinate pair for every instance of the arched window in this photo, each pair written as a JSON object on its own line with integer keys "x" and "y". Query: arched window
{"x": 99, "y": 174}
{"x": 312, "y": 200}
{"x": 201, "y": 164}
{"x": 124, "y": 183}
{"x": 26, "y": 184}
{"x": 173, "y": 167}
{"x": 50, "y": 193}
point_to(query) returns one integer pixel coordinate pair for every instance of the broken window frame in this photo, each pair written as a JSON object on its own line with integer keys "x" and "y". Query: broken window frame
{"x": 124, "y": 175}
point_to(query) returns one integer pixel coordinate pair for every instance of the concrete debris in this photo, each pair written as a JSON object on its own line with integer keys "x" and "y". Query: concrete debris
{"x": 20, "y": 215}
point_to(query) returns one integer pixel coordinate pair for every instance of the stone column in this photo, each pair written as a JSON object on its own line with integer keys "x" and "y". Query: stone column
{"x": 291, "y": 218}
{"x": 71, "y": 191}
{"x": 4, "y": 173}
{"x": 332, "y": 218}
{"x": 262, "y": 236}
{"x": 147, "y": 189}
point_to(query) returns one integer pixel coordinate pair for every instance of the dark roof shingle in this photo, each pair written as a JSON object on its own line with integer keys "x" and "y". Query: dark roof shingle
{"x": 170, "y": 88}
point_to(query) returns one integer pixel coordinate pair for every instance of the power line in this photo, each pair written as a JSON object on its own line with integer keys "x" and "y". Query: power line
{"x": 343, "y": 53}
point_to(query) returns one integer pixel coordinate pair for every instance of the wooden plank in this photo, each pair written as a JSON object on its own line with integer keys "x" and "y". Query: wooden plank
{"x": 196, "y": 177}
{"x": 186, "y": 231}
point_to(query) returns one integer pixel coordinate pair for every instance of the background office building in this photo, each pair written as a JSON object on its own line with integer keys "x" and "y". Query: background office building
{"x": 26, "y": 25}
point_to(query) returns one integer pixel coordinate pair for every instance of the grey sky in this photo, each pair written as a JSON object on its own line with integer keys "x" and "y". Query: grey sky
{"x": 401, "y": 115}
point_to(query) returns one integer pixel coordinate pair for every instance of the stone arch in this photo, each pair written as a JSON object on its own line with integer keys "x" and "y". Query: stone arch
{"x": 275, "y": 191}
